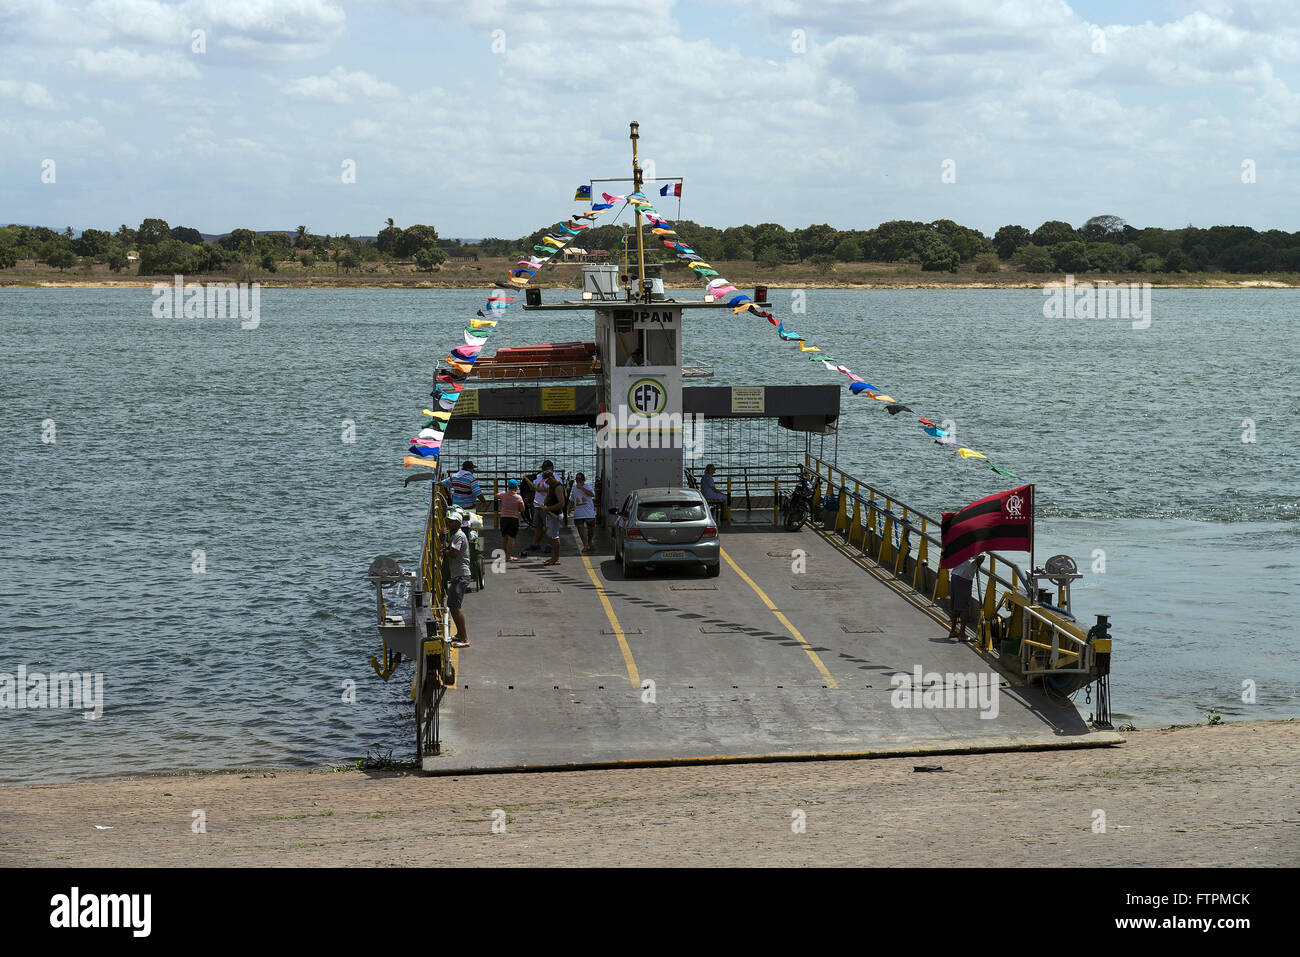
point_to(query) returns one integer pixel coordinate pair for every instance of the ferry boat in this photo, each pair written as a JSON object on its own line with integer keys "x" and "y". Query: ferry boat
{"x": 824, "y": 642}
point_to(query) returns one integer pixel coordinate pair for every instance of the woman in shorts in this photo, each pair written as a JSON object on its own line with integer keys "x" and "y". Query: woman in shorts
{"x": 583, "y": 501}
{"x": 512, "y": 504}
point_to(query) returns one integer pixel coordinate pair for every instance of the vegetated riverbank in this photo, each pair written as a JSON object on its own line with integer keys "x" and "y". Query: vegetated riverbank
{"x": 1207, "y": 796}
{"x": 465, "y": 275}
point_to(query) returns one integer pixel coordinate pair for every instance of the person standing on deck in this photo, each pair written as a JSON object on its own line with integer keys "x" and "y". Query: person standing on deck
{"x": 528, "y": 492}
{"x": 540, "y": 488}
{"x": 511, "y": 505}
{"x": 552, "y": 509}
{"x": 708, "y": 488}
{"x": 960, "y": 580}
{"x": 458, "y": 548}
{"x": 583, "y": 504}
{"x": 464, "y": 488}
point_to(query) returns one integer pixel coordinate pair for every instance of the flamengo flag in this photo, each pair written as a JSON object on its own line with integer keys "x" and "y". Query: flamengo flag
{"x": 672, "y": 189}
{"x": 1003, "y": 522}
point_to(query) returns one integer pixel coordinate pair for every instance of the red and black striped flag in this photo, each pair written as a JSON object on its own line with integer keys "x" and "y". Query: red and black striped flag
{"x": 1003, "y": 522}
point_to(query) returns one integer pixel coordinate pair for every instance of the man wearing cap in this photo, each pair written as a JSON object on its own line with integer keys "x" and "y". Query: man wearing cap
{"x": 464, "y": 488}
{"x": 458, "y": 551}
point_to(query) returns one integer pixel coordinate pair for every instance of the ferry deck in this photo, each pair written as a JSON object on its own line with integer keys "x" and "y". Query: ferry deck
{"x": 757, "y": 664}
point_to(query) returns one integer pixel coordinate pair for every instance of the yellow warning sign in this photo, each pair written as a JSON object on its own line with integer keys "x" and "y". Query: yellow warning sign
{"x": 559, "y": 398}
{"x": 468, "y": 402}
{"x": 747, "y": 398}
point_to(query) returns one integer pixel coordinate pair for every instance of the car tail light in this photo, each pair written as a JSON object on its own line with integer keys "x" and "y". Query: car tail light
{"x": 711, "y": 531}
{"x": 634, "y": 533}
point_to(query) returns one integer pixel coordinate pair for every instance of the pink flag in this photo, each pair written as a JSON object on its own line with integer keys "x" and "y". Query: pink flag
{"x": 613, "y": 199}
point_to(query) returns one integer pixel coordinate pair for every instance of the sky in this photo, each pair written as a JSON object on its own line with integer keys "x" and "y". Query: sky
{"x": 479, "y": 117}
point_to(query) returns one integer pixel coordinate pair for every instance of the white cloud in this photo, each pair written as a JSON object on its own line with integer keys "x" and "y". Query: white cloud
{"x": 248, "y": 29}
{"x": 146, "y": 20}
{"x": 584, "y": 20}
{"x": 363, "y": 129}
{"x": 270, "y": 29}
{"x": 32, "y": 95}
{"x": 118, "y": 63}
{"x": 852, "y": 130}
{"x": 341, "y": 87}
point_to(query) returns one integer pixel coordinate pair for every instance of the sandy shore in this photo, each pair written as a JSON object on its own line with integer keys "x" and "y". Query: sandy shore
{"x": 1203, "y": 796}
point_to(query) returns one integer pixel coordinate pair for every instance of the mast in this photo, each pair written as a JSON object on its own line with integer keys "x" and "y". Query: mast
{"x": 636, "y": 188}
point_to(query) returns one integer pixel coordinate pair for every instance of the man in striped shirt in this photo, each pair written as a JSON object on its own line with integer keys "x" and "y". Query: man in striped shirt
{"x": 464, "y": 488}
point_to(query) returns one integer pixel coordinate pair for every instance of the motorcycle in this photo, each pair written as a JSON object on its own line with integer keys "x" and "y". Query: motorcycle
{"x": 799, "y": 507}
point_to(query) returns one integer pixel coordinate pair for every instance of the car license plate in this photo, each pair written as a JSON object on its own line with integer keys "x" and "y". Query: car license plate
{"x": 672, "y": 554}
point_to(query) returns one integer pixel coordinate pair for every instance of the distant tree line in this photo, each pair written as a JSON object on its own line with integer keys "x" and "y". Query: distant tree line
{"x": 165, "y": 250}
{"x": 1102, "y": 244}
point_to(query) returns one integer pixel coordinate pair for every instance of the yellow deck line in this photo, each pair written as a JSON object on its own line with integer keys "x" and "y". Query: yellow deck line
{"x": 917, "y": 600}
{"x": 632, "y": 674}
{"x": 782, "y": 619}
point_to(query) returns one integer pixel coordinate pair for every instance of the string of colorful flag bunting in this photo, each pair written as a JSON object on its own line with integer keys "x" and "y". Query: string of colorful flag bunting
{"x": 449, "y": 381}
{"x": 721, "y": 290}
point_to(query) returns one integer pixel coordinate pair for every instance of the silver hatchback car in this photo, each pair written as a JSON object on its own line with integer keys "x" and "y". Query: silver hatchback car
{"x": 666, "y": 526}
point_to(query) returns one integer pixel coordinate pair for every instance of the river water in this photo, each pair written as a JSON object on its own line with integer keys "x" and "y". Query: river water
{"x": 196, "y": 530}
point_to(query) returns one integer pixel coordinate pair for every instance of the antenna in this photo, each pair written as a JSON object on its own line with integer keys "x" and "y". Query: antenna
{"x": 635, "y": 135}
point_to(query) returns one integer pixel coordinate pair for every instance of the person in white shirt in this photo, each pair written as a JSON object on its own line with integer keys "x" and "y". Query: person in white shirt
{"x": 540, "y": 489}
{"x": 458, "y": 545}
{"x": 583, "y": 503}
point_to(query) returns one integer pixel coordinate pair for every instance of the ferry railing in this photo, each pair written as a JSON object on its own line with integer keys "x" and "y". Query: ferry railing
{"x": 1039, "y": 649}
{"x": 758, "y": 485}
{"x": 433, "y": 669}
{"x": 903, "y": 540}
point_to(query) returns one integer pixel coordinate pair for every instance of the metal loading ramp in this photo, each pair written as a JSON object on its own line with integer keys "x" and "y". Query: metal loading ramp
{"x": 762, "y": 663}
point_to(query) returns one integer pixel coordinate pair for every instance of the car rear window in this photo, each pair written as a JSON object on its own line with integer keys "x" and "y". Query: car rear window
{"x": 669, "y": 512}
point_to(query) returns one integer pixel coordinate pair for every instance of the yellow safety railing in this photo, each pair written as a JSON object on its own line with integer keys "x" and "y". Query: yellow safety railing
{"x": 756, "y": 480}
{"x": 433, "y": 672}
{"x": 907, "y": 543}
